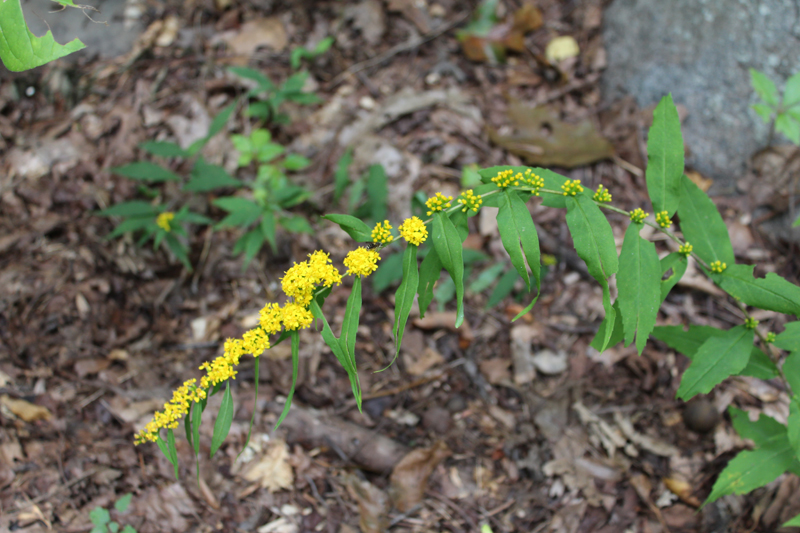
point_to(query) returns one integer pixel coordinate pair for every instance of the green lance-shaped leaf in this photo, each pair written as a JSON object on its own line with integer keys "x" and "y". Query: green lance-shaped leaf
{"x": 793, "y": 424}
{"x": 295, "y": 369}
{"x": 22, "y": 50}
{"x": 665, "y": 157}
{"x": 207, "y": 177}
{"x": 715, "y": 360}
{"x": 764, "y": 432}
{"x": 516, "y": 226}
{"x": 146, "y": 171}
{"x": 447, "y": 243}
{"x": 429, "y": 272}
{"x": 347, "y": 340}
{"x": 224, "y": 419}
{"x": 688, "y": 342}
{"x": 791, "y": 369}
{"x": 163, "y": 149}
{"x": 594, "y": 242}
{"x": 197, "y": 418}
{"x": 134, "y": 208}
{"x": 789, "y": 340}
{"x": 752, "y": 469}
{"x": 257, "y": 364}
{"x": 187, "y": 424}
{"x": 617, "y": 332}
{"x": 354, "y": 227}
{"x": 639, "y": 284}
{"x": 503, "y": 288}
{"x": 169, "y": 451}
{"x": 772, "y": 292}
{"x": 702, "y": 225}
{"x": 794, "y": 522}
{"x": 678, "y": 263}
{"x": 337, "y": 349}
{"x": 764, "y": 87}
{"x": 404, "y": 297}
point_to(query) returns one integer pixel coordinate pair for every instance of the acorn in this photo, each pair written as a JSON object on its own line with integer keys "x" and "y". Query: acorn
{"x": 700, "y": 416}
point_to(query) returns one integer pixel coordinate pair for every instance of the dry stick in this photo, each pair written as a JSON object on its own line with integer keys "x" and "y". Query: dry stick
{"x": 400, "y": 48}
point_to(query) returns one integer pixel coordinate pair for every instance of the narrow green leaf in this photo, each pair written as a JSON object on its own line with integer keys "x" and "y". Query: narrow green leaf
{"x": 296, "y": 224}
{"x": 173, "y": 451}
{"x": 341, "y": 177}
{"x": 715, "y": 360}
{"x": 404, "y": 297}
{"x": 221, "y": 119}
{"x": 123, "y": 502}
{"x": 760, "y": 366}
{"x": 99, "y": 517}
{"x": 146, "y": 171}
{"x": 252, "y": 74}
{"x": 330, "y": 339}
{"x": 224, "y": 419}
{"x": 295, "y": 368}
{"x": 347, "y": 340}
{"x": 764, "y": 87}
{"x": 665, "y": 157}
{"x": 791, "y": 93}
{"x": 242, "y": 212}
{"x": 134, "y": 208}
{"x": 601, "y": 339}
{"x": 197, "y": 419}
{"x": 503, "y": 287}
{"x": 639, "y": 285}
{"x": 22, "y": 50}
{"x": 793, "y": 424}
{"x": 752, "y": 469}
{"x": 791, "y": 369}
{"x": 377, "y": 191}
{"x": 787, "y": 125}
{"x": 268, "y": 229}
{"x": 178, "y": 249}
{"x": 678, "y": 263}
{"x": 764, "y": 111}
{"x": 447, "y": 243}
{"x": 594, "y": 241}
{"x": 516, "y": 225}
{"x": 253, "y": 240}
{"x": 772, "y": 292}
{"x": 486, "y": 278}
{"x": 702, "y": 225}
{"x": 206, "y": 177}
{"x": 429, "y": 272}
{"x": 163, "y": 149}
{"x": 354, "y": 227}
{"x": 295, "y": 162}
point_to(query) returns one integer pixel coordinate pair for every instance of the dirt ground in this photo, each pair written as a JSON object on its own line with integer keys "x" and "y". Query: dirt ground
{"x": 516, "y": 427}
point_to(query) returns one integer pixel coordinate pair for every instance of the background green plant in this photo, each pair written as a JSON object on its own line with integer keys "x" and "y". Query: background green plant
{"x": 101, "y": 518}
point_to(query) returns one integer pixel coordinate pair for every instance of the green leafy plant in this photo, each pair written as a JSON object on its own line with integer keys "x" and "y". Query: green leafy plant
{"x": 643, "y": 280}
{"x": 101, "y": 518}
{"x": 20, "y": 49}
{"x": 782, "y": 114}
{"x": 268, "y": 97}
{"x": 300, "y": 53}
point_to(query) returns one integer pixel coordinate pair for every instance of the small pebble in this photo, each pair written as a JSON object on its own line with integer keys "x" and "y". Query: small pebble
{"x": 456, "y": 403}
{"x": 700, "y": 416}
{"x": 437, "y": 420}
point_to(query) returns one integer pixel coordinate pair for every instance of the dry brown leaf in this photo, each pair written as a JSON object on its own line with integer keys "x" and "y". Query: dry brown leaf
{"x": 368, "y": 17}
{"x": 419, "y": 363}
{"x": 85, "y": 367}
{"x": 410, "y": 477}
{"x": 542, "y": 138}
{"x": 496, "y": 370}
{"x": 253, "y": 34}
{"x": 683, "y": 490}
{"x": 373, "y": 505}
{"x": 698, "y": 179}
{"x": 414, "y": 11}
{"x": 272, "y": 470}
{"x": 25, "y": 410}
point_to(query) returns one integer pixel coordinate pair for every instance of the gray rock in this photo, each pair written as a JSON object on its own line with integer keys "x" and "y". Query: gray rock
{"x": 111, "y": 40}
{"x": 701, "y": 51}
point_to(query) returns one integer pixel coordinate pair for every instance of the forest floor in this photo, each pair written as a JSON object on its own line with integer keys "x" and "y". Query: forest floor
{"x": 516, "y": 426}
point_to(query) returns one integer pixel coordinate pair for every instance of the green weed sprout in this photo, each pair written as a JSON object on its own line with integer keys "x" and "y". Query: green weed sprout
{"x": 783, "y": 114}
{"x": 101, "y": 518}
{"x": 300, "y": 53}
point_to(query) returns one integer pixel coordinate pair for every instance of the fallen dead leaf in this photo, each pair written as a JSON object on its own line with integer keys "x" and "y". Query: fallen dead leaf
{"x": 561, "y": 48}
{"x": 542, "y": 138}
{"x": 25, "y": 410}
{"x": 373, "y": 505}
{"x": 369, "y": 18}
{"x": 496, "y": 370}
{"x": 254, "y": 34}
{"x": 272, "y": 470}
{"x": 683, "y": 490}
{"x": 85, "y": 367}
{"x": 419, "y": 363}
{"x": 698, "y": 179}
{"x": 410, "y": 477}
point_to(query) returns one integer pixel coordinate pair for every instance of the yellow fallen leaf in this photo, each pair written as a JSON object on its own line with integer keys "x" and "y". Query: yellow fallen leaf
{"x": 561, "y": 48}
{"x": 25, "y": 410}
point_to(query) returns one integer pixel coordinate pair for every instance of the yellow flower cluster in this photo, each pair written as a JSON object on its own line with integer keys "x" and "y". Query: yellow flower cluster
{"x": 163, "y": 220}
{"x": 663, "y": 219}
{"x": 685, "y": 249}
{"x": 506, "y": 178}
{"x": 361, "y": 262}
{"x": 296, "y": 316}
{"x": 470, "y": 201}
{"x": 382, "y": 233}
{"x": 751, "y": 323}
{"x": 602, "y": 195}
{"x": 414, "y": 231}
{"x": 638, "y": 215}
{"x": 535, "y": 181}
{"x": 718, "y": 267}
{"x": 572, "y": 187}
{"x": 438, "y": 203}
{"x": 174, "y": 410}
{"x": 301, "y": 280}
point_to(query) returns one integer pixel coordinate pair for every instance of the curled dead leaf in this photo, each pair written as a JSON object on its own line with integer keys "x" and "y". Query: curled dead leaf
{"x": 410, "y": 477}
{"x": 25, "y": 410}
